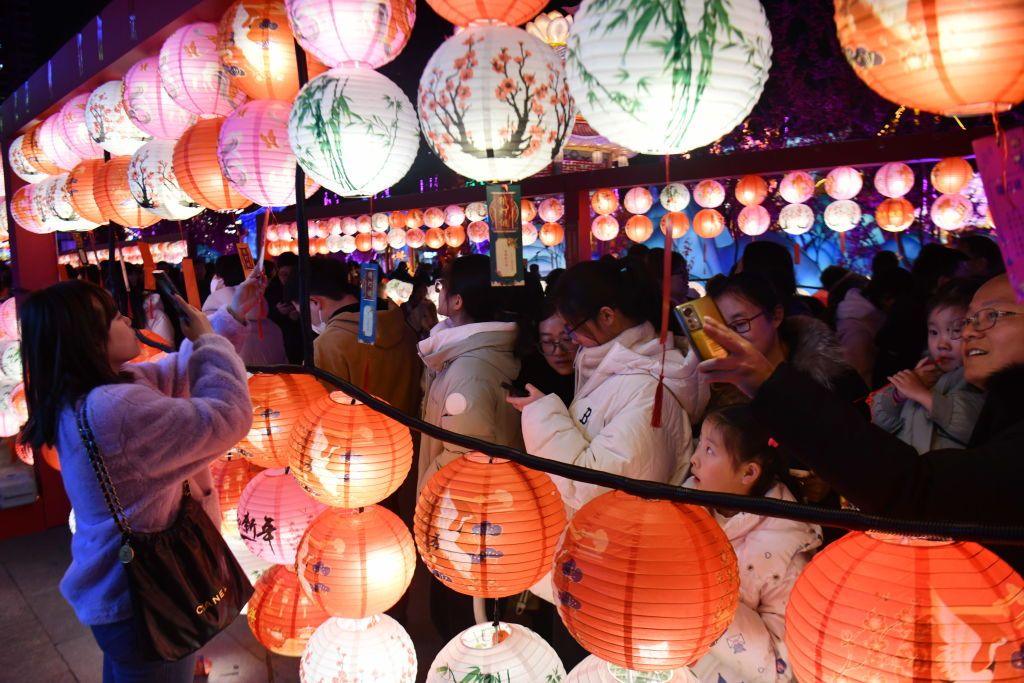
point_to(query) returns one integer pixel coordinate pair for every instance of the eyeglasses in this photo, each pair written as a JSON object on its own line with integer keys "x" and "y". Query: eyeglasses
{"x": 550, "y": 348}
{"x": 570, "y": 332}
{"x": 742, "y": 325}
{"x": 985, "y": 319}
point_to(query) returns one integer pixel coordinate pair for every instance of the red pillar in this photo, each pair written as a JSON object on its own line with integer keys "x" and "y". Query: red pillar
{"x": 577, "y": 226}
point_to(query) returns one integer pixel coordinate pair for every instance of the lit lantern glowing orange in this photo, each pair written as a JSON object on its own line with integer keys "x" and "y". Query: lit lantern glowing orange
{"x": 478, "y": 231}
{"x": 638, "y": 200}
{"x": 754, "y": 220}
{"x": 415, "y": 238}
{"x": 273, "y": 514}
{"x": 604, "y": 201}
{"x": 23, "y": 208}
{"x": 527, "y": 210}
{"x": 605, "y": 228}
{"x": 198, "y": 170}
{"x": 901, "y": 609}
{"x": 364, "y": 242}
{"x": 677, "y": 221}
{"x": 951, "y": 211}
{"x": 414, "y": 219}
{"x": 551, "y": 210}
{"x": 894, "y": 179}
{"x": 82, "y": 189}
{"x": 709, "y": 194}
{"x": 379, "y": 240}
{"x": 356, "y": 563}
{"x": 281, "y": 615}
{"x": 34, "y": 154}
{"x": 433, "y": 217}
{"x": 751, "y": 190}
{"x": 551, "y": 234}
{"x": 796, "y": 187}
{"x": 488, "y": 527}
{"x": 894, "y": 215}
{"x": 230, "y": 475}
{"x": 279, "y": 400}
{"x": 951, "y": 175}
{"x": 397, "y": 219}
{"x": 465, "y": 12}
{"x": 455, "y": 236}
{"x": 346, "y": 455}
{"x": 843, "y": 182}
{"x": 639, "y": 228}
{"x": 628, "y": 595}
{"x": 114, "y": 197}
{"x": 435, "y": 238}
{"x": 708, "y": 223}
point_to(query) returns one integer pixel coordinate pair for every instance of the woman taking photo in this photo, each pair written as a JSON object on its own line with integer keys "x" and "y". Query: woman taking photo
{"x": 156, "y": 425}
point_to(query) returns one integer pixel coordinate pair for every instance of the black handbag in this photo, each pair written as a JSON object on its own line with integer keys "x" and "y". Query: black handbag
{"x": 186, "y": 586}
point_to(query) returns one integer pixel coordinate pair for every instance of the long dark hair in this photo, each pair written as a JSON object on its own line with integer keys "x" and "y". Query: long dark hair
{"x": 64, "y": 333}
{"x": 746, "y": 440}
{"x": 623, "y": 285}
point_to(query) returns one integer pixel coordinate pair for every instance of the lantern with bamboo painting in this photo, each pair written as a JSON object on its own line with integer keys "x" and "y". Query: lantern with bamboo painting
{"x": 951, "y": 175}
{"x": 153, "y": 184}
{"x": 273, "y": 514}
{"x": 604, "y": 201}
{"x": 639, "y": 228}
{"x": 198, "y": 171}
{"x": 551, "y": 234}
{"x": 497, "y": 652}
{"x": 366, "y": 32}
{"x": 894, "y": 179}
{"x": 895, "y": 215}
{"x": 192, "y": 74}
{"x": 149, "y": 106}
{"x": 709, "y": 194}
{"x": 107, "y": 121}
{"x": 279, "y": 400}
{"x": 751, "y": 190}
{"x": 281, "y": 616}
{"x": 677, "y": 222}
{"x": 708, "y": 223}
{"x": 754, "y": 220}
{"x": 796, "y": 187}
{"x": 359, "y": 651}
{"x": 605, "y": 228}
{"x": 638, "y": 200}
{"x": 796, "y": 219}
{"x": 76, "y": 133}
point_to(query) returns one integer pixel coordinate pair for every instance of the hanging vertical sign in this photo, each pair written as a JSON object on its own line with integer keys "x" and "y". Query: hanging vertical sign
{"x": 369, "y": 279}
{"x": 503, "y": 202}
{"x": 80, "y": 248}
{"x": 245, "y": 256}
{"x": 1001, "y": 163}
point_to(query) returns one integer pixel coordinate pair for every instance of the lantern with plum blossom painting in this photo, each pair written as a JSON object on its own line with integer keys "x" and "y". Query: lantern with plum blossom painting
{"x": 604, "y": 201}
{"x": 107, "y": 120}
{"x": 894, "y": 179}
{"x": 415, "y": 238}
{"x": 796, "y": 219}
{"x": 453, "y": 215}
{"x": 359, "y": 651}
{"x": 605, "y": 228}
{"x": 709, "y": 194}
{"x": 53, "y": 144}
{"x": 273, "y": 514}
{"x": 370, "y": 33}
{"x": 895, "y": 215}
{"x": 708, "y": 223}
{"x": 152, "y": 182}
{"x": 754, "y": 220}
{"x": 466, "y": 12}
{"x": 191, "y": 72}
{"x": 842, "y": 215}
{"x": 55, "y": 208}
{"x": 23, "y": 208}
{"x": 198, "y": 171}
{"x": 149, "y": 106}
{"x": 478, "y": 231}
{"x": 530, "y": 234}
{"x": 796, "y": 187}
{"x": 434, "y": 238}
{"x": 950, "y": 175}
{"x": 639, "y": 228}
{"x": 494, "y": 103}
{"x": 476, "y": 211}
{"x": 527, "y": 210}
{"x": 677, "y": 221}
{"x": 751, "y": 190}
{"x": 551, "y": 234}
{"x": 497, "y": 652}
{"x": 76, "y": 134}
{"x": 20, "y": 164}
{"x": 843, "y": 182}
{"x": 638, "y": 200}
{"x": 951, "y": 211}
{"x": 455, "y": 236}
{"x": 280, "y": 615}
{"x": 34, "y": 153}
{"x": 674, "y": 197}
{"x": 551, "y": 210}
{"x": 433, "y": 217}
{"x": 114, "y": 196}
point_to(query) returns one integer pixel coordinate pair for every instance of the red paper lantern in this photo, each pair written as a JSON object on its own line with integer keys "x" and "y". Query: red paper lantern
{"x": 434, "y": 238}
{"x": 551, "y": 234}
{"x": 639, "y": 200}
{"x": 82, "y": 189}
{"x": 415, "y": 238}
{"x": 478, "y": 231}
{"x": 281, "y": 616}
{"x": 628, "y": 595}
{"x": 356, "y": 563}
{"x": 605, "y": 228}
{"x": 527, "y": 210}
{"x": 278, "y": 402}
{"x": 364, "y": 242}
{"x": 230, "y": 475}
{"x": 488, "y": 527}
{"x": 751, "y": 190}
{"x": 604, "y": 202}
{"x": 677, "y": 221}
{"x": 708, "y": 223}
{"x": 273, "y": 514}
{"x": 895, "y": 215}
{"x": 114, "y": 197}
{"x": 950, "y": 175}
{"x": 639, "y": 228}
{"x": 465, "y": 12}
{"x": 455, "y": 236}
{"x": 198, "y": 170}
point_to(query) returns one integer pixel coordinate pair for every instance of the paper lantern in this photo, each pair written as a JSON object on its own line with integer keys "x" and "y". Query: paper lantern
{"x": 708, "y": 223}
{"x": 354, "y": 131}
{"x": 751, "y": 190}
{"x": 843, "y": 182}
{"x": 23, "y": 209}
{"x": 530, "y": 234}
{"x": 349, "y": 225}
{"x": 252, "y": 566}
{"x": 455, "y": 236}
{"x": 397, "y": 219}
{"x": 894, "y": 179}
{"x": 466, "y": 12}
{"x": 627, "y": 595}
{"x": 842, "y": 215}
{"x": 895, "y": 215}
{"x": 435, "y": 238}
{"x": 677, "y": 221}
{"x": 379, "y": 222}
{"x": 901, "y": 609}
{"x": 348, "y": 244}
{"x": 397, "y": 238}
{"x": 951, "y": 175}
{"x": 595, "y": 670}
{"x": 527, "y": 210}
{"x": 114, "y": 197}
{"x": 198, "y": 170}
{"x": 754, "y": 220}
{"x": 364, "y": 32}
{"x": 281, "y": 616}
{"x": 191, "y": 72}
{"x": 20, "y": 164}
{"x": 82, "y": 190}
{"x": 551, "y": 210}
{"x": 454, "y": 215}
{"x": 709, "y": 194}
{"x": 551, "y": 234}
{"x": 605, "y": 228}
{"x": 678, "y": 95}
{"x": 230, "y": 476}
{"x": 153, "y": 184}
{"x": 10, "y": 360}
{"x": 951, "y": 58}
{"x": 413, "y": 219}
{"x": 359, "y": 651}
{"x": 334, "y": 243}
{"x": 675, "y": 197}
{"x": 796, "y": 187}
{"x": 433, "y": 217}
{"x": 494, "y": 103}
{"x": 638, "y": 200}
{"x": 35, "y": 155}
{"x": 476, "y": 211}
{"x": 9, "y": 328}
{"x": 54, "y": 206}
{"x": 796, "y": 219}
{"x": 488, "y": 527}
{"x": 53, "y": 144}
{"x": 415, "y": 238}
{"x": 478, "y": 231}
{"x": 356, "y": 563}
{"x": 502, "y": 652}
{"x": 639, "y": 228}
{"x": 604, "y": 201}
{"x": 279, "y": 400}
{"x": 951, "y": 211}
{"x": 273, "y": 514}
{"x": 76, "y": 133}
{"x": 149, "y": 106}
{"x": 106, "y": 119}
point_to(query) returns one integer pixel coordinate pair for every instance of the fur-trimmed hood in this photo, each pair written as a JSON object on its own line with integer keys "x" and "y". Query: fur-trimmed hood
{"x": 813, "y": 349}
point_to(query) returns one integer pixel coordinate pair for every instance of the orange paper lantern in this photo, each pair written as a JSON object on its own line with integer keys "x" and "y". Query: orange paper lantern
{"x": 230, "y": 476}
{"x": 751, "y": 190}
{"x": 950, "y": 175}
{"x": 708, "y": 223}
{"x": 639, "y": 228}
{"x": 895, "y": 215}
{"x": 433, "y": 217}
{"x": 397, "y": 219}
{"x": 415, "y": 238}
{"x": 605, "y": 228}
{"x": 114, "y": 197}
{"x": 677, "y": 221}
{"x": 488, "y": 527}
{"x": 434, "y": 238}
{"x": 35, "y": 155}
{"x": 527, "y": 210}
{"x": 347, "y": 455}
{"x": 465, "y": 12}
{"x": 82, "y": 190}
{"x": 604, "y": 202}
{"x": 871, "y": 607}
{"x": 356, "y": 563}
{"x": 281, "y": 615}
{"x": 455, "y": 236}
{"x": 23, "y": 208}
{"x": 413, "y": 219}
{"x": 278, "y": 403}
{"x": 551, "y": 234}
{"x": 638, "y": 200}
{"x": 364, "y": 242}
{"x": 478, "y": 231}
{"x": 628, "y": 595}
{"x": 198, "y": 170}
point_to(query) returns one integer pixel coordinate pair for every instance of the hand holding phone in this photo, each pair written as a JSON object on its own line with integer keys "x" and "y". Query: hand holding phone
{"x": 691, "y": 317}
{"x": 515, "y": 389}
{"x": 166, "y": 287}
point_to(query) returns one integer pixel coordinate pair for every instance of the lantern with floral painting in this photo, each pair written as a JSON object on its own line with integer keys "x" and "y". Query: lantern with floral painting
{"x": 551, "y": 234}
{"x": 796, "y": 187}
{"x": 149, "y": 106}
{"x": 951, "y": 175}
{"x": 674, "y": 197}
{"x": 53, "y": 144}
{"x": 413, "y": 219}
{"x": 192, "y": 74}
{"x": 796, "y": 219}
{"x": 895, "y": 215}
{"x": 708, "y": 223}
{"x": 230, "y": 475}
{"x": 397, "y": 238}
{"x": 153, "y": 184}
{"x": 951, "y": 211}
{"x": 677, "y": 222}
{"x": 433, "y": 217}
{"x": 279, "y": 402}
{"x": 34, "y": 154}
{"x": 496, "y": 652}
{"x": 281, "y": 616}
{"x": 494, "y": 103}
{"x": 359, "y": 651}
{"x": 273, "y": 514}
{"x": 478, "y": 231}
{"x": 551, "y": 210}
{"x": 76, "y": 133}
{"x": 638, "y": 200}
{"x": 894, "y": 179}
{"x": 639, "y": 228}
{"x": 604, "y": 201}
{"x": 114, "y": 196}
{"x": 415, "y": 238}
{"x": 530, "y": 234}
{"x": 455, "y": 236}
{"x": 754, "y": 220}
{"x": 434, "y": 238}
{"x": 842, "y": 215}
{"x": 466, "y": 12}
{"x": 709, "y": 194}
{"x": 55, "y": 208}
{"x": 527, "y": 210}
{"x": 476, "y": 211}
{"x": 107, "y": 121}
{"x": 454, "y": 215}
{"x": 23, "y": 208}
{"x": 198, "y": 170}
{"x": 605, "y": 228}
{"x": 843, "y": 183}
{"x": 365, "y": 32}
{"x": 751, "y": 190}
{"x": 20, "y": 164}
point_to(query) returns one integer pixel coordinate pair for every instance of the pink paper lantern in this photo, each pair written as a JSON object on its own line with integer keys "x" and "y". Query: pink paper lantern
{"x": 72, "y": 117}
{"x": 638, "y": 200}
{"x": 366, "y": 32}
{"x": 415, "y": 238}
{"x": 273, "y": 514}
{"x": 364, "y": 224}
{"x": 530, "y": 234}
{"x": 551, "y": 210}
{"x": 454, "y": 215}
{"x": 754, "y": 220}
{"x": 709, "y": 194}
{"x": 478, "y": 231}
{"x": 843, "y": 182}
{"x": 894, "y": 180}
{"x": 797, "y": 187}
{"x": 55, "y": 146}
{"x": 349, "y": 226}
{"x": 255, "y": 155}
{"x": 605, "y": 228}
{"x": 951, "y": 211}
{"x": 191, "y": 72}
{"x": 397, "y": 238}
{"x": 433, "y": 217}
{"x": 9, "y": 320}
{"x": 148, "y": 104}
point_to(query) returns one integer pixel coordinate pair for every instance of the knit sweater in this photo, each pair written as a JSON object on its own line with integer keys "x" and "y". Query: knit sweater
{"x": 162, "y": 428}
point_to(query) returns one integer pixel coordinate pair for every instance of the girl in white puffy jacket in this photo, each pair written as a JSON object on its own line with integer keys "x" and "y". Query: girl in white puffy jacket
{"x": 736, "y": 455}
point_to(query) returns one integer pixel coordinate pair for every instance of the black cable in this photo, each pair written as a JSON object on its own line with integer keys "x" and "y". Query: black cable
{"x": 852, "y": 520}
{"x": 302, "y": 227}
{"x": 146, "y": 341}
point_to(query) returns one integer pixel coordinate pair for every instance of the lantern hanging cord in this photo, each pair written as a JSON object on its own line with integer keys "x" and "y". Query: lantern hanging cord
{"x": 851, "y": 520}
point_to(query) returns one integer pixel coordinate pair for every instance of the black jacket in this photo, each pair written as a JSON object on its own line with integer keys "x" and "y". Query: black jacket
{"x": 882, "y": 475}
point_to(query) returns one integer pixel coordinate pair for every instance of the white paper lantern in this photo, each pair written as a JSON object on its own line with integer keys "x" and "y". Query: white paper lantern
{"x": 796, "y": 187}
{"x": 192, "y": 74}
{"x": 476, "y": 211}
{"x": 843, "y": 182}
{"x": 349, "y": 226}
{"x": 53, "y": 206}
{"x": 530, "y": 234}
{"x": 595, "y": 670}
{"x": 372, "y": 650}
{"x": 396, "y": 238}
{"x": 108, "y": 122}
{"x": 348, "y": 244}
{"x": 709, "y": 194}
{"x": 152, "y": 182}
{"x": 951, "y": 211}
{"x": 353, "y": 131}
{"x": 454, "y": 215}
{"x": 494, "y": 103}
{"x": 648, "y": 88}
{"x": 53, "y": 144}
{"x": 675, "y": 197}
{"x": 149, "y": 106}
{"x": 508, "y": 652}
{"x": 796, "y": 219}
{"x": 754, "y": 220}
{"x": 76, "y": 134}
{"x": 20, "y": 165}
{"x": 842, "y": 215}
{"x": 334, "y": 243}
{"x": 366, "y": 32}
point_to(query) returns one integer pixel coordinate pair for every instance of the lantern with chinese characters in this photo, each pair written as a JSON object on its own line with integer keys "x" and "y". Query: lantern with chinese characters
{"x": 902, "y": 609}
{"x": 273, "y": 514}
{"x": 153, "y": 184}
{"x": 279, "y": 401}
{"x": 281, "y": 616}
{"x": 605, "y": 228}
{"x": 191, "y": 72}
{"x": 454, "y": 215}
{"x": 796, "y": 219}
{"x": 709, "y": 194}
{"x": 894, "y": 179}
{"x": 551, "y": 210}
{"x": 751, "y": 190}
{"x": 19, "y": 163}
{"x": 53, "y": 144}
{"x": 465, "y": 12}
{"x": 254, "y": 154}
{"x": 359, "y": 651}
{"x": 639, "y": 228}
{"x": 478, "y": 231}
{"x": 708, "y": 223}
{"x": 455, "y": 236}
{"x": 356, "y": 563}
{"x": 843, "y": 182}
{"x": 527, "y": 210}
{"x": 638, "y": 200}
{"x": 494, "y": 103}
{"x": 604, "y": 202}
{"x": 433, "y": 217}
{"x": 595, "y": 670}
{"x": 675, "y": 197}
{"x": 796, "y": 187}
{"x": 551, "y": 234}
{"x": 434, "y": 238}
{"x": 230, "y": 475}
{"x": 895, "y": 215}
{"x": 23, "y": 208}
{"x": 82, "y": 187}
{"x": 677, "y": 222}
{"x": 706, "y": 85}
{"x": 397, "y": 238}
{"x": 496, "y": 652}
{"x": 114, "y": 197}
{"x": 198, "y": 171}
{"x": 754, "y": 220}
{"x": 413, "y": 219}
{"x": 354, "y": 131}
{"x": 842, "y": 215}
{"x": 488, "y": 527}
{"x": 622, "y": 584}
{"x": 951, "y": 211}
{"x": 530, "y": 234}
{"x": 346, "y": 455}
{"x": 366, "y": 32}
{"x": 415, "y": 238}
{"x": 949, "y": 58}
{"x": 951, "y": 175}
{"x": 149, "y": 106}
{"x": 106, "y": 119}
{"x": 76, "y": 133}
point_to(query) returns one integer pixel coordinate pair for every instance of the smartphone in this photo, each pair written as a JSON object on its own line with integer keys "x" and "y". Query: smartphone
{"x": 691, "y": 318}
{"x": 165, "y": 286}
{"x": 515, "y": 390}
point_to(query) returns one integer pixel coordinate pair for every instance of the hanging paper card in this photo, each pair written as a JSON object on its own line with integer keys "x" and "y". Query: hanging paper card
{"x": 369, "y": 276}
{"x": 245, "y": 256}
{"x": 1001, "y": 163}
{"x": 503, "y": 207}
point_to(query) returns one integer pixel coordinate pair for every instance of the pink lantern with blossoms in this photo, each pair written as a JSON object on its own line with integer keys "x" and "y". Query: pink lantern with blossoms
{"x": 149, "y": 106}
{"x": 72, "y": 117}
{"x": 951, "y": 211}
{"x": 191, "y": 72}
{"x": 754, "y": 220}
{"x": 397, "y": 238}
{"x": 454, "y": 215}
{"x": 364, "y": 225}
{"x": 797, "y": 187}
{"x": 843, "y": 182}
{"x": 273, "y": 514}
{"x": 107, "y": 121}
{"x": 894, "y": 180}
{"x": 366, "y": 32}
{"x": 54, "y": 145}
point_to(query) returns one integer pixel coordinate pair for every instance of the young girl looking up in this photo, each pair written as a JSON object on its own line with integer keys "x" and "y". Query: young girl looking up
{"x": 736, "y": 455}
